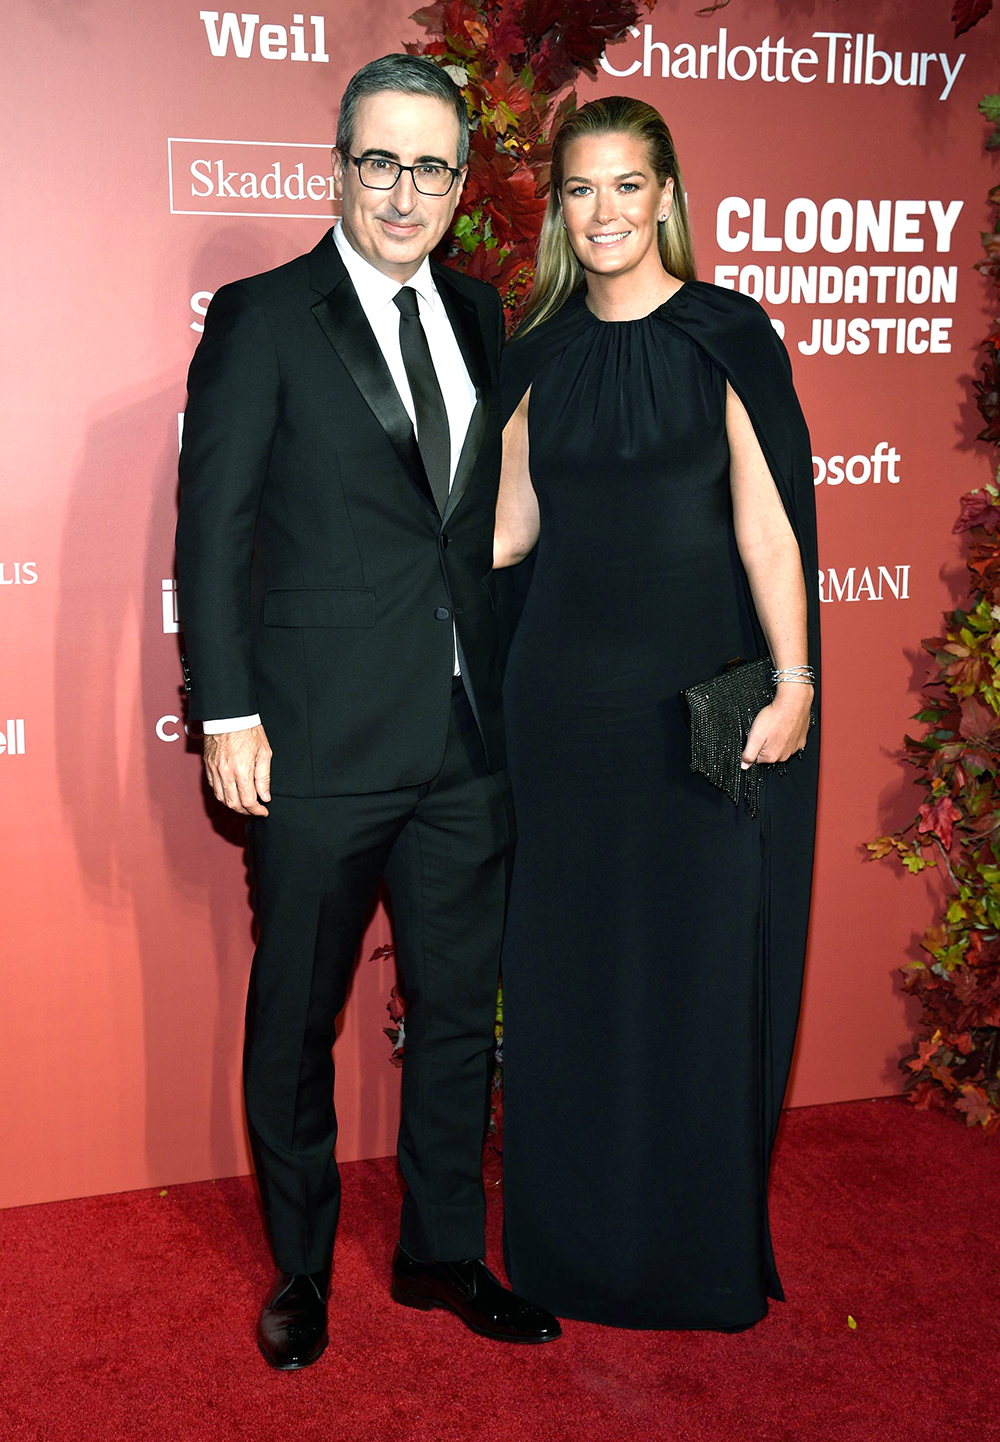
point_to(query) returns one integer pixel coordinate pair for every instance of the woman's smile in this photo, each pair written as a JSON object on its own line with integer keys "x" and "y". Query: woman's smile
{"x": 613, "y": 238}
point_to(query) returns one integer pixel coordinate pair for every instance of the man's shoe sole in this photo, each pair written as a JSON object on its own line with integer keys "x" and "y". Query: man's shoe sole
{"x": 409, "y": 1296}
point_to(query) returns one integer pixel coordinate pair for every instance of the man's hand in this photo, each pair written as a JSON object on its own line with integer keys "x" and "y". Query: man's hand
{"x": 238, "y": 765}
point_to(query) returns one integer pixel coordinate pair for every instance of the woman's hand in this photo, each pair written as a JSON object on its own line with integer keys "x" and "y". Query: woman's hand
{"x": 780, "y": 729}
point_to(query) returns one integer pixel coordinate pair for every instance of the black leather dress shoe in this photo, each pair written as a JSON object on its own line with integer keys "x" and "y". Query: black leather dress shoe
{"x": 291, "y": 1328}
{"x": 470, "y": 1290}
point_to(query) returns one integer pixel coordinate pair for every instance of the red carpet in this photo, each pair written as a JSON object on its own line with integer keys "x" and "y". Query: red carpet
{"x": 130, "y": 1317}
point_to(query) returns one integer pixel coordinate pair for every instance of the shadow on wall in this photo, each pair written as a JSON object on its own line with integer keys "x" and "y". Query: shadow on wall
{"x": 969, "y": 420}
{"x": 896, "y": 805}
{"x": 149, "y": 863}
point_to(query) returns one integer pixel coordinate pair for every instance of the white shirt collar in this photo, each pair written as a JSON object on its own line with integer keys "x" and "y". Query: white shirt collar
{"x": 375, "y": 290}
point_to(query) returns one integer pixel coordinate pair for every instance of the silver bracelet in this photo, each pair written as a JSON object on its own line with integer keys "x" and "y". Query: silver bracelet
{"x": 803, "y": 674}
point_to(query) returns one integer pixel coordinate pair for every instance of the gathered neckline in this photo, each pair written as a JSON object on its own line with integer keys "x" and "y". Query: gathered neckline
{"x": 638, "y": 319}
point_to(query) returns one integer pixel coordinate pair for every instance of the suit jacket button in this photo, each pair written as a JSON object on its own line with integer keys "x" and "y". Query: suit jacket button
{"x": 444, "y": 542}
{"x": 442, "y": 613}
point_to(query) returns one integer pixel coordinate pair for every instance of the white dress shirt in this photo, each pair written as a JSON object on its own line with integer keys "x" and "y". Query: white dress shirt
{"x": 376, "y": 293}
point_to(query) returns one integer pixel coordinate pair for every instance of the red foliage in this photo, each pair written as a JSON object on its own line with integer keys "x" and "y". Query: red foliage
{"x": 488, "y": 174}
{"x": 502, "y": 269}
{"x": 977, "y": 510}
{"x": 939, "y": 819}
{"x": 396, "y": 1006}
{"x": 521, "y": 211}
{"x": 978, "y": 722}
{"x": 968, "y": 12}
{"x": 504, "y": 88}
{"x": 449, "y": 18}
{"x": 574, "y": 37}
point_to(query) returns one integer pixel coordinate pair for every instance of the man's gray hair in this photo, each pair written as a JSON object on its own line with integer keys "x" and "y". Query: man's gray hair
{"x": 413, "y": 75}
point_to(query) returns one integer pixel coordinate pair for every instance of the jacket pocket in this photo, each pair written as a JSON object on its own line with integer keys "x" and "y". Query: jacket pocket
{"x": 334, "y": 607}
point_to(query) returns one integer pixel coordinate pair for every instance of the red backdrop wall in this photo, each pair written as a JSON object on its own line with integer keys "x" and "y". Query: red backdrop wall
{"x": 149, "y": 169}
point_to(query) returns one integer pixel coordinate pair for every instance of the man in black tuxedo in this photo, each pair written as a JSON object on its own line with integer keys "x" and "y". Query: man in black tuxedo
{"x": 338, "y": 486}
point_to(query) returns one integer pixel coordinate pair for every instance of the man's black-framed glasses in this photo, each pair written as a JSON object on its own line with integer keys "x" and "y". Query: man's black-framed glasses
{"x": 379, "y": 173}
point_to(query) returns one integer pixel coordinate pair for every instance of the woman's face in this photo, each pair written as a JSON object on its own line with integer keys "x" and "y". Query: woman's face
{"x": 611, "y": 202}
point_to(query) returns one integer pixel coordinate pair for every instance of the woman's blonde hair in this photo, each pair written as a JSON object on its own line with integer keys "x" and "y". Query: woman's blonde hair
{"x": 558, "y": 273}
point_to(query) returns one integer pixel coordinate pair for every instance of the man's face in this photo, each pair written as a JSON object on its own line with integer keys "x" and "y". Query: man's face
{"x": 395, "y": 229}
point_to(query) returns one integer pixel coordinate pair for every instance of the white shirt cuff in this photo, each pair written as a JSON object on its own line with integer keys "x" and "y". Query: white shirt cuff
{"x": 231, "y": 723}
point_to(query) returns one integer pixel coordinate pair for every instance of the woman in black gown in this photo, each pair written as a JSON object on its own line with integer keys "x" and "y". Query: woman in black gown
{"x": 653, "y": 958}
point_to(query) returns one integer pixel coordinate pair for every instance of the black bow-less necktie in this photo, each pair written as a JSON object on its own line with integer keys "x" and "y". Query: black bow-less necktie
{"x": 433, "y": 436}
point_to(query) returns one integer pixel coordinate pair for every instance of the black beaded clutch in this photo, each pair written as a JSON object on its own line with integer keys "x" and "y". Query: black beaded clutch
{"x": 722, "y": 710}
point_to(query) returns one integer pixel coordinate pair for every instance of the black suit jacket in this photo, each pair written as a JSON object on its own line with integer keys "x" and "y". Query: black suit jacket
{"x": 317, "y": 582}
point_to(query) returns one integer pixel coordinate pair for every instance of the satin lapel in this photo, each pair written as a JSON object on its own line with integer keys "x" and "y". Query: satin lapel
{"x": 346, "y": 328}
{"x": 468, "y": 331}
{"x": 467, "y": 459}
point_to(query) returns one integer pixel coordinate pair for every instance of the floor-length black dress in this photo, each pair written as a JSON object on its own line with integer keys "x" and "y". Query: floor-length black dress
{"x": 648, "y": 1020}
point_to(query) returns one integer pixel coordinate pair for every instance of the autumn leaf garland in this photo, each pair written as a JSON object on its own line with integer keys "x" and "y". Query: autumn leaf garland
{"x": 956, "y": 1065}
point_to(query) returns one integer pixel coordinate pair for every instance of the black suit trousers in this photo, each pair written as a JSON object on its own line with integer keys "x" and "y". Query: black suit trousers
{"x": 443, "y": 848}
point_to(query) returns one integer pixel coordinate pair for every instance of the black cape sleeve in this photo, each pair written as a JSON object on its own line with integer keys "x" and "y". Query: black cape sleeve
{"x": 527, "y": 354}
